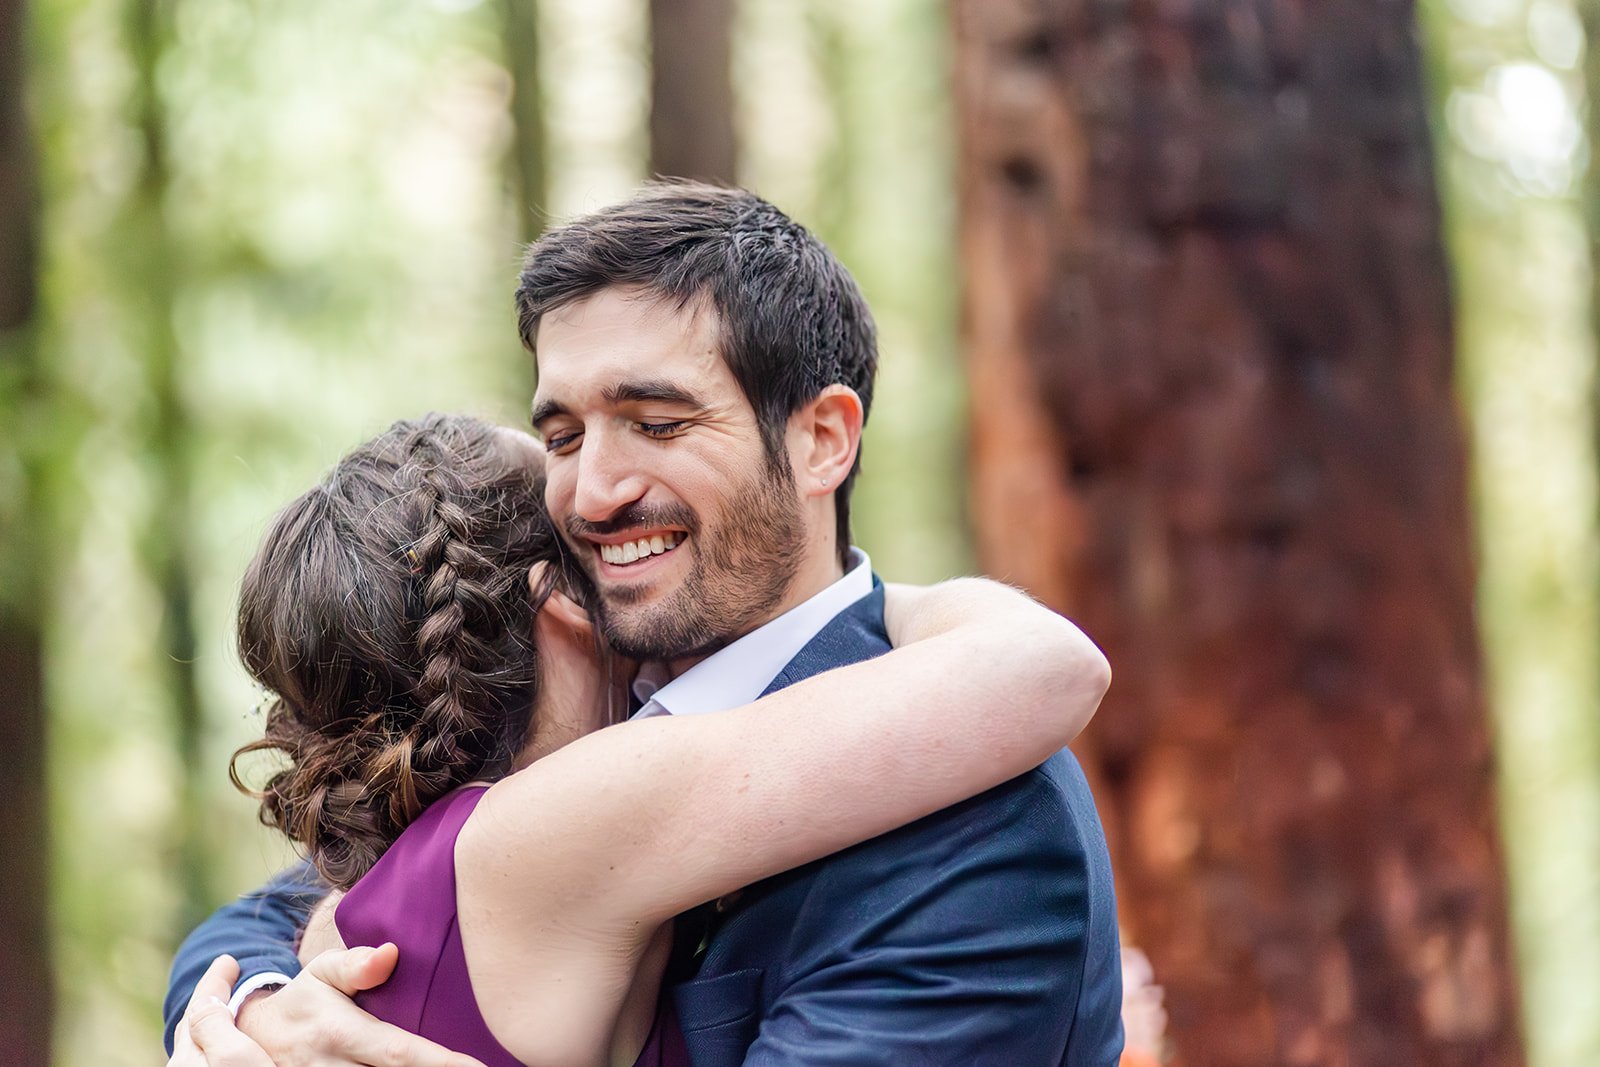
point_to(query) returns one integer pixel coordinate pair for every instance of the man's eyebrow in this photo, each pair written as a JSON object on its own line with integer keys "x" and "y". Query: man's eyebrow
{"x": 659, "y": 390}
{"x": 546, "y": 409}
{"x": 644, "y": 390}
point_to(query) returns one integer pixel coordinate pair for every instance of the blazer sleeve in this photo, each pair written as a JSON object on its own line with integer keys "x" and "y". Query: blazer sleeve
{"x": 258, "y": 929}
{"x": 961, "y": 939}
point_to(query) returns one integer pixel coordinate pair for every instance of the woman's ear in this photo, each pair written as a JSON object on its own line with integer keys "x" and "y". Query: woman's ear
{"x": 829, "y": 430}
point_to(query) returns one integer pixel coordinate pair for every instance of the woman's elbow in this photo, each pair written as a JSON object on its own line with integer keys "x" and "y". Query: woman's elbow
{"x": 1081, "y": 669}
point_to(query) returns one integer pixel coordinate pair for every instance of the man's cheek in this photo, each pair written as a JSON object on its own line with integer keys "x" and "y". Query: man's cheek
{"x": 558, "y": 504}
{"x": 583, "y": 552}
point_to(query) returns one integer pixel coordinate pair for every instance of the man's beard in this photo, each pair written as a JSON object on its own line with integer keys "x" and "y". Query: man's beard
{"x": 744, "y": 564}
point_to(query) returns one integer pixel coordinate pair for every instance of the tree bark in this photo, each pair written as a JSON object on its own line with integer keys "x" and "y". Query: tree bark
{"x": 25, "y": 965}
{"x": 1210, "y": 353}
{"x": 691, "y": 90}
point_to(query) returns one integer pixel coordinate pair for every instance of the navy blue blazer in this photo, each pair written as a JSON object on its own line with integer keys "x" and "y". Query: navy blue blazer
{"x": 983, "y": 934}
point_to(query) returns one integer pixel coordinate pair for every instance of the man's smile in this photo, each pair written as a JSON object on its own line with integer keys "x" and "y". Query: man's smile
{"x": 631, "y": 551}
{"x": 630, "y": 554}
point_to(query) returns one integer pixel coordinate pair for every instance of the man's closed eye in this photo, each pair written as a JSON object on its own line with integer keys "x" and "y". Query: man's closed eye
{"x": 557, "y": 443}
{"x": 662, "y": 430}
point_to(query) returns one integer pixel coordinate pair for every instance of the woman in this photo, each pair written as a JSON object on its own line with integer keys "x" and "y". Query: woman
{"x": 389, "y": 612}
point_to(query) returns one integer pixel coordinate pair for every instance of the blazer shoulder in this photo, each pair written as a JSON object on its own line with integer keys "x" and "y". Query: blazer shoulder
{"x": 1024, "y": 832}
{"x": 1040, "y": 813}
{"x": 1018, "y": 870}
{"x": 1030, "y": 847}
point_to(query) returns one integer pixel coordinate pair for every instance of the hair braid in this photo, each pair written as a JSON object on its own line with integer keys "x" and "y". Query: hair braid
{"x": 456, "y": 601}
{"x": 388, "y": 609}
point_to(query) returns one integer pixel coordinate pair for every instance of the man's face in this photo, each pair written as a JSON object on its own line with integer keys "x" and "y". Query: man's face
{"x": 658, "y": 477}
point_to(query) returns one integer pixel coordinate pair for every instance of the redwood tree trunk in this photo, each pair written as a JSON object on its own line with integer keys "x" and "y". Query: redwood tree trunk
{"x": 25, "y": 971}
{"x": 691, "y": 89}
{"x": 1208, "y": 320}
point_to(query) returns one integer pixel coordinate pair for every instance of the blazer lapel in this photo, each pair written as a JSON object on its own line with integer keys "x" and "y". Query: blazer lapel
{"x": 720, "y": 1011}
{"x": 857, "y": 633}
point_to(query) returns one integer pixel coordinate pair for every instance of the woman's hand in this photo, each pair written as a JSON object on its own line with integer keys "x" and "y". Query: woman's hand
{"x": 312, "y": 1020}
{"x": 581, "y": 683}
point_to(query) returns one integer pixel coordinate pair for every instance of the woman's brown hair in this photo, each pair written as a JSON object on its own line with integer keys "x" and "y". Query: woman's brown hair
{"x": 388, "y": 612}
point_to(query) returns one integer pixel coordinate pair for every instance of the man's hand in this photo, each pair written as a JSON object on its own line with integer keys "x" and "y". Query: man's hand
{"x": 311, "y": 1022}
{"x": 207, "y": 1037}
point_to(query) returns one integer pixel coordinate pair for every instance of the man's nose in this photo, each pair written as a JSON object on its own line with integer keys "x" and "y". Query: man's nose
{"x": 607, "y": 481}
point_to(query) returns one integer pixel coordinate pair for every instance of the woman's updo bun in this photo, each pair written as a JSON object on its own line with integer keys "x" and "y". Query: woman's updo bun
{"x": 388, "y": 613}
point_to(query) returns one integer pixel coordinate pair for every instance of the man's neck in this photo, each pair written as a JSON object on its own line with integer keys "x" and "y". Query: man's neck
{"x": 812, "y": 578}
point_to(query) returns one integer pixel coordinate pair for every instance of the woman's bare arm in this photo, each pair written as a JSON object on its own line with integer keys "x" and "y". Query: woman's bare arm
{"x": 596, "y": 844}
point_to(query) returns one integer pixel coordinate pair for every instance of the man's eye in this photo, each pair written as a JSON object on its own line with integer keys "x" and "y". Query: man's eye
{"x": 660, "y": 429}
{"x": 558, "y": 442}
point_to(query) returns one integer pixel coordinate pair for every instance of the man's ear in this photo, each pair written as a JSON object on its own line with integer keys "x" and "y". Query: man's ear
{"x": 826, "y": 435}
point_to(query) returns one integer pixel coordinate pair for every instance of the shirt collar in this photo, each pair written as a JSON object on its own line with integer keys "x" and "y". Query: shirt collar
{"x": 740, "y": 672}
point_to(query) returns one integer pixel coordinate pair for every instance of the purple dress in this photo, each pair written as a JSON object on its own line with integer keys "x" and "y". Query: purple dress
{"x": 409, "y": 897}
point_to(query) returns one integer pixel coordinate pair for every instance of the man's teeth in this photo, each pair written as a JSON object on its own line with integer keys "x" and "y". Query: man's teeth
{"x": 633, "y": 551}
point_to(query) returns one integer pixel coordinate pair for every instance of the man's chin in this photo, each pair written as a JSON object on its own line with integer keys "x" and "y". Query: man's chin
{"x": 656, "y": 635}
{"x": 630, "y": 597}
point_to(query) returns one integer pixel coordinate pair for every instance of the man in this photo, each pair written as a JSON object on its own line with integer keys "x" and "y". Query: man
{"x": 705, "y": 368}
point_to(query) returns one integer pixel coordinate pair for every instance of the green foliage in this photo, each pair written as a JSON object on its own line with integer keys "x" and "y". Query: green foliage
{"x": 1512, "y": 147}
{"x": 847, "y": 124}
{"x": 296, "y": 234}
{"x": 269, "y": 230}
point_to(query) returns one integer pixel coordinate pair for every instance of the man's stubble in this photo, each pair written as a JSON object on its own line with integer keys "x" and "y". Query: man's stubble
{"x": 745, "y": 562}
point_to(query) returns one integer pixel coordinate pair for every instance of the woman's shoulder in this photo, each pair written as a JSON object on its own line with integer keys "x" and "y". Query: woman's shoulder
{"x": 413, "y": 884}
{"x": 409, "y": 898}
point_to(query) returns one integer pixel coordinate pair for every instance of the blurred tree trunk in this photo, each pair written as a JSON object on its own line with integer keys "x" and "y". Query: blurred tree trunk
{"x": 1525, "y": 321}
{"x": 168, "y": 542}
{"x": 691, "y": 90}
{"x": 529, "y": 143}
{"x": 1589, "y": 15}
{"x": 838, "y": 207}
{"x": 25, "y": 971}
{"x": 1213, "y": 418}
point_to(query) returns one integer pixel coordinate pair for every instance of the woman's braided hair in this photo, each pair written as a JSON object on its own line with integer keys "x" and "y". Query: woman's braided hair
{"x": 389, "y": 614}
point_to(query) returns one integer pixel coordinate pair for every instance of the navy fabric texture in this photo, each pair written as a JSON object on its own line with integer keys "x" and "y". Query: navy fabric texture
{"x": 258, "y": 930}
{"x": 983, "y": 934}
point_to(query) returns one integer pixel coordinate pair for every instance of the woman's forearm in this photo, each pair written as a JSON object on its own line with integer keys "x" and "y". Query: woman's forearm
{"x": 641, "y": 821}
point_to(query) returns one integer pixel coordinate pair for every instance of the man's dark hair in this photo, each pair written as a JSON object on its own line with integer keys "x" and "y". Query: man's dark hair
{"x": 790, "y": 317}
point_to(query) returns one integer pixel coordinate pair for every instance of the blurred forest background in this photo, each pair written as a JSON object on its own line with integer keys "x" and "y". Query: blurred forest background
{"x": 1258, "y": 336}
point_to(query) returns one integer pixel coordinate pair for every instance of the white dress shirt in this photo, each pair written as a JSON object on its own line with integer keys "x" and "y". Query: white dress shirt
{"x": 740, "y": 672}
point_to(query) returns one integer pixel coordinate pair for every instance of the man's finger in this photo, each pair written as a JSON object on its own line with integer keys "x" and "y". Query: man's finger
{"x": 213, "y": 1033}
{"x": 353, "y": 969}
{"x": 215, "y": 984}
